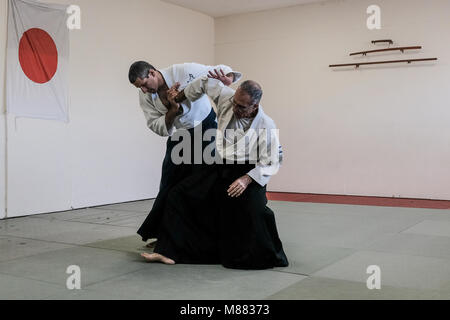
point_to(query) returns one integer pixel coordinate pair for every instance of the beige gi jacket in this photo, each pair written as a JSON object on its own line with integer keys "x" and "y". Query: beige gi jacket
{"x": 260, "y": 143}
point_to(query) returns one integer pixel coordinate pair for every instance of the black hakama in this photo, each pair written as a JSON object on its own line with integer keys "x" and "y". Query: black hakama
{"x": 203, "y": 225}
{"x": 171, "y": 175}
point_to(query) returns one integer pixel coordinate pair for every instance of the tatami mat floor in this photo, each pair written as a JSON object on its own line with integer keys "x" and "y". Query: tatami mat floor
{"x": 330, "y": 247}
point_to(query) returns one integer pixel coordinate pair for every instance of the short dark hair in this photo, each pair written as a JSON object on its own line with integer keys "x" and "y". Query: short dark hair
{"x": 139, "y": 69}
{"x": 253, "y": 89}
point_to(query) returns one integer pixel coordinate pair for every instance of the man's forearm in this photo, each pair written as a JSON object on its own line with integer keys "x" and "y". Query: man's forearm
{"x": 201, "y": 86}
{"x": 170, "y": 118}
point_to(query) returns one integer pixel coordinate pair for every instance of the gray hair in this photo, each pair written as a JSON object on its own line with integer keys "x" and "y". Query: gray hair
{"x": 253, "y": 89}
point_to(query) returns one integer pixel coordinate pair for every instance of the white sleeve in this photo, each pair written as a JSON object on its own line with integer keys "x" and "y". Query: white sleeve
{"x": 228, "y": 70}
{"x": 156, "y": 121}
{"x": 270, "y": 162}
{"x": 199, "y": 70}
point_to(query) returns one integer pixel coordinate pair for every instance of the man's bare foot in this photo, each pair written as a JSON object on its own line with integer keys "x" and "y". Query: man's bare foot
{"x": 156, "y": 257}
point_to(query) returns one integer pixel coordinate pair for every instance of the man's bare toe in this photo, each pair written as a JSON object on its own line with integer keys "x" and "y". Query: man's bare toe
{"x": 156, "y": 257}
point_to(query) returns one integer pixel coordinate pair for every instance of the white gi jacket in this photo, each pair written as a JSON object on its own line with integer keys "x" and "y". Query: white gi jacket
{"x": 262, "y": 133}
{"x": 193, "y": 112}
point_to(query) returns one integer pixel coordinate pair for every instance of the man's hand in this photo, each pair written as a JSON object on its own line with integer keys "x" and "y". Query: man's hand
{"x": 174, "y": 109}
{"x": 226, "y": 79}
{"x": 172, "y": 94}
{"x": 238, "y": 187}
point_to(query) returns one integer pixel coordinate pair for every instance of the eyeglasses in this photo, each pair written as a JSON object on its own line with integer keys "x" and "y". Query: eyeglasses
{"x": 237, "y": 105}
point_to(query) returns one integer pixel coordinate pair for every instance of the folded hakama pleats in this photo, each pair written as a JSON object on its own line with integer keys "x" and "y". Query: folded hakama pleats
{"x": 189, "y": 232}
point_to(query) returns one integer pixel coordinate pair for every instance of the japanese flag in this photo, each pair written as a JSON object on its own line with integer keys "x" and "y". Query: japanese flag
{"x": 37, "y": 60}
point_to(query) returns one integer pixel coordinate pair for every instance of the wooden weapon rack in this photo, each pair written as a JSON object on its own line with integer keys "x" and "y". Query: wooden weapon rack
{"x": 364, "y": 53}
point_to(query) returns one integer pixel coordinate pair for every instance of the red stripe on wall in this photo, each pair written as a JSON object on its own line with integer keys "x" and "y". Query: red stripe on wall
{"x": 359, "y": 200}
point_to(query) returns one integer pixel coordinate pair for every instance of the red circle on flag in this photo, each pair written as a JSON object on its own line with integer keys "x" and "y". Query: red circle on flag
{"x": 38, "y": 55}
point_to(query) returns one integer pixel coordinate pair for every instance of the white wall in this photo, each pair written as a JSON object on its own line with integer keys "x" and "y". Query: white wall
{"x": 105, "y": 154}
{"x": 378, "y": 131}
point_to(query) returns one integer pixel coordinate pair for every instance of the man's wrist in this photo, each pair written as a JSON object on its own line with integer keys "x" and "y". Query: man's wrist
{"x": 170, "y": 117}
{"x": 248, "y": 178}
{"x": 172, "y": 113}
